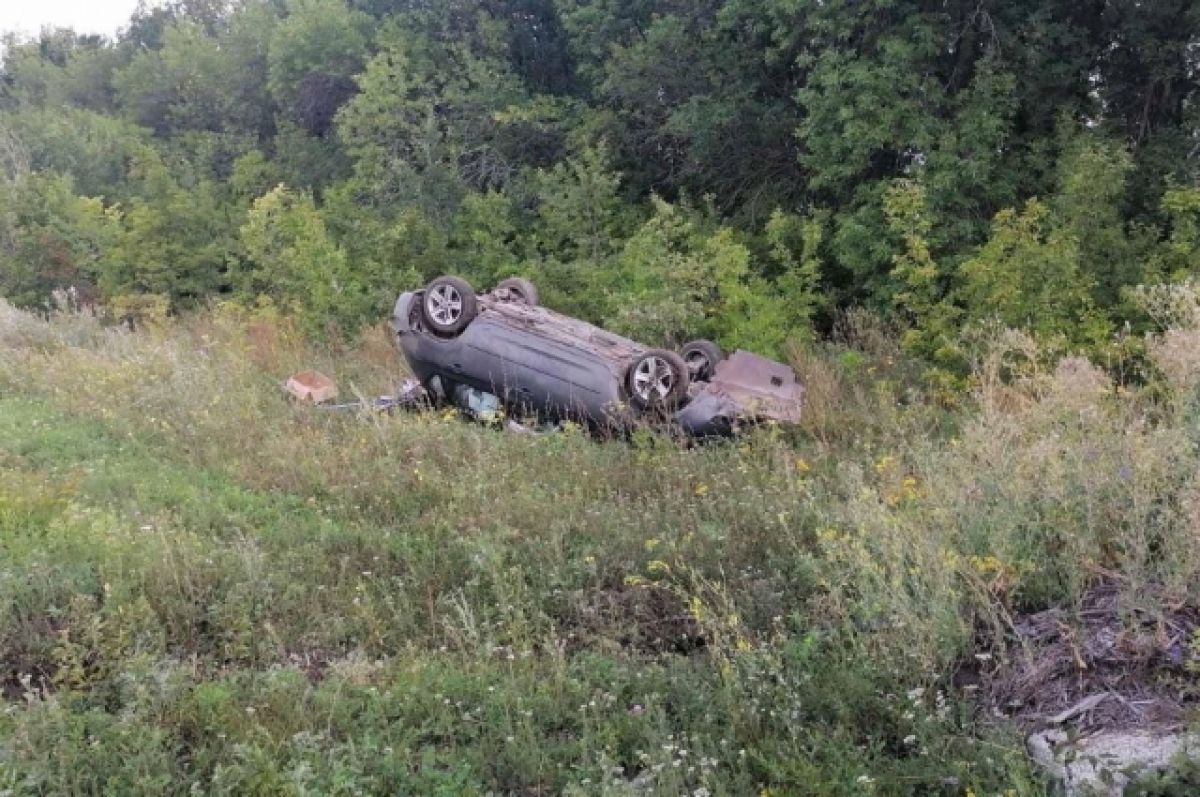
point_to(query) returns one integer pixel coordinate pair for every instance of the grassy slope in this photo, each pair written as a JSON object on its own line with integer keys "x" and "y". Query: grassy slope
{"x": 208, "y": 589}
{"x": 141, "y": 591}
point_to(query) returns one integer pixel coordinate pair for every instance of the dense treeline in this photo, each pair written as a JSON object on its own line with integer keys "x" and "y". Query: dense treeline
{"x": 739, "y": 169}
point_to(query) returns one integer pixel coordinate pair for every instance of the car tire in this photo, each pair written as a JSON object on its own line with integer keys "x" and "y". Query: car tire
{"x": 521, "y": 289}
{"x": 701, "y": 358}
{"x": 657, "y": 379}
{"x": 448, "y": 306}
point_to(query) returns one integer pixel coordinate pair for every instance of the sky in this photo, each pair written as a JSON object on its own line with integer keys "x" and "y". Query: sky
{"x": 85, "y": 16}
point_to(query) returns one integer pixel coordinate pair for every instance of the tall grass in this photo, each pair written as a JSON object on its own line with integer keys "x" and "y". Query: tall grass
{"x": 209, "y": 588}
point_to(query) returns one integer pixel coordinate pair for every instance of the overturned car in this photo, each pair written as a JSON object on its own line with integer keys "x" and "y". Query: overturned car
{"x": 535, "y": 361}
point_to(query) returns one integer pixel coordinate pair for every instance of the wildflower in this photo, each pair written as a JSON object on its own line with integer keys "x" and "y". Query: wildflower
{"x": 828, "y": 535}
{"x": 696, "y": 607}
{"x": 701, "y": 490}
{"x": 802, "y": 465}
{"x": 658, "y": 566}
{"x": 987, "y": 564}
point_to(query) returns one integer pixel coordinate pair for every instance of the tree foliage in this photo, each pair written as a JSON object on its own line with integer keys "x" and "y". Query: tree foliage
{"x": 291, "y": 259}
{"x": 742, "y": 169}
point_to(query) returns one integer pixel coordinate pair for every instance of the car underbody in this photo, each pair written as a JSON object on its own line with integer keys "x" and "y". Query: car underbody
{"x": 502, "y": 350}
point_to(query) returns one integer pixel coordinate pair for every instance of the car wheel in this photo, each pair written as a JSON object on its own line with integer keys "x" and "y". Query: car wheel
{"x": 448, "y": 306}
{"x": 520, "y": 289}
{"x": 657, "y": 379}
{"x": 701, "y": 357}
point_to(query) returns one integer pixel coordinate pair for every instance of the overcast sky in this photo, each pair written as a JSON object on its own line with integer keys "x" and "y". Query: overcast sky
{"x": 85, "y": 16}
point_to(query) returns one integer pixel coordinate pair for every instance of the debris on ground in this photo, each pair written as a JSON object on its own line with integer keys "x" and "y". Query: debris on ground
{"x": 315, "y": 387}
{"x": 1104, "y": 764}
{"x": 1100, "y": 690}
{"x": 311, "y": 386}
{"x": 1111, "y": 645}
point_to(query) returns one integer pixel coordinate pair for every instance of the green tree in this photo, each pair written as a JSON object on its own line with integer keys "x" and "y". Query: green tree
{"x": 1028, "y": 275}
{"x": 175, "y": 240}
{"x": 484, "y": 240}
{"x": 922, "y": 293}
{"x": 579, "y": 209}
{"x": 198, "y": 81}
{"x": 678, "y": 277}
{"x": 794, "y": 249}
{"x": 94, "y": 149}
{"x": 425, "y": 126}
{"x": 1088, "y": 206}
{"x": 58, "y": 68}
{"x": 314, "y": 53}
{"x": 50, "y": 238}
{"x": 291, "y": 258}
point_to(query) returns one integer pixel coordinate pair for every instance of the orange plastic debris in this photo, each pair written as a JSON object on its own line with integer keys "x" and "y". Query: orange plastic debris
{"x": 312, "y": 386}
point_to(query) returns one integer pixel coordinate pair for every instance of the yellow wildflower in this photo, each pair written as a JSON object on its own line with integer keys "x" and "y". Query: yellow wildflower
{"x": 696, "y": 607}
{"x": 987, "y": 564}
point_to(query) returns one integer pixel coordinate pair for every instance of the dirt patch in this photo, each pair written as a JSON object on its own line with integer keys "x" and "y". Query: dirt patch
{"x": 1112, "y": 664}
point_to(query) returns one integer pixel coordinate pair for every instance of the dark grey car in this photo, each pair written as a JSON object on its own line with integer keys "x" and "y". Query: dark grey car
{"x": 535, "y": 360}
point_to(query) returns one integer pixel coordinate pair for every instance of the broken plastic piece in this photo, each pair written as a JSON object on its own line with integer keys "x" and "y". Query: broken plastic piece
{"x": 312, "y": 386}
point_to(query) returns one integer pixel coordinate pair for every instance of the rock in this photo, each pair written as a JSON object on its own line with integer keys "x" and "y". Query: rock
{"x": 1104, "y": 763}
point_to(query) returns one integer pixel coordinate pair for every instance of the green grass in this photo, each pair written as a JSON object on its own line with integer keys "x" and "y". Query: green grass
{"x": 204, "y": 589}
{"x": 175, "y": 627}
